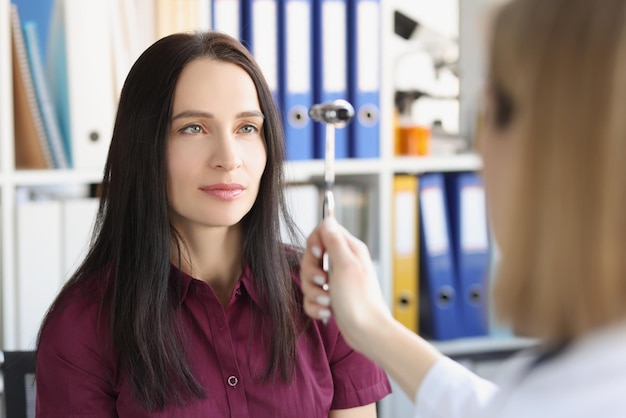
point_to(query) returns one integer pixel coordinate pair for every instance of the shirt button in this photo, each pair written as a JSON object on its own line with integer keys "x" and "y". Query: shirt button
{"x": 238, "y": 292}
{"x": 232, "y": 381}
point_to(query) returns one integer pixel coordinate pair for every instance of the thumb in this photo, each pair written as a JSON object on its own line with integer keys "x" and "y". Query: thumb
{"x": 335, "y": 239}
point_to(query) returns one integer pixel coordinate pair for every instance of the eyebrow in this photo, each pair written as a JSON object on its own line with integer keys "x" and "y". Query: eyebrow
{"x": 200, "y": 114}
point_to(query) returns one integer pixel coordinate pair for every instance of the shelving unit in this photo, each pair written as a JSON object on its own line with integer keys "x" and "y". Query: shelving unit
{"x": 481, "y": 348}
{"x": 377, "y": 173}
{"x": 6, "y": 165}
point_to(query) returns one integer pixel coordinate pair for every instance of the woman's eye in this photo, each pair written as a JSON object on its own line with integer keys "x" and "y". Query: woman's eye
{"x": 192, "y": 129}
{"x": 249, "y": 129}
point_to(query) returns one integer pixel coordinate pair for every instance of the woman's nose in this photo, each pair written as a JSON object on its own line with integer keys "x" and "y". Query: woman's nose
{"x": 226, "y": 154}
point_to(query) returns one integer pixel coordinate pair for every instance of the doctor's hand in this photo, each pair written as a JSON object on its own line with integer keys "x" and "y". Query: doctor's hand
{"x": 350, "y": 292}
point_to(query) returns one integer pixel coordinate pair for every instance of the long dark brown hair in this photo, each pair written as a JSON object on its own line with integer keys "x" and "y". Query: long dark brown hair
{"x": 133, "y": 239}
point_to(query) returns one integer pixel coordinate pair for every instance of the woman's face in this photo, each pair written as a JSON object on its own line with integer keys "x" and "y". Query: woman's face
{"x": 216, "y": 152}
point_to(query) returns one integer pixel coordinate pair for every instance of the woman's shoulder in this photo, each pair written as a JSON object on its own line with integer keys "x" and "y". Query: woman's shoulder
{"x": 87, "y": 292}
{"x": 79, "y": 313}
{"x": 586, "y": 378}
{"x": 75, "y": 357}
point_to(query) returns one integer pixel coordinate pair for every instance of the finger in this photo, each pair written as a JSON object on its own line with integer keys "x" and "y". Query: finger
{"x": 316, "y": 300}
{"x": 317, "y": 304}
{"x": 321, "y": 314}
{"x": 311, "y": 271}
{"x": 314, "y": 246}
{"x": 313, "y": 278}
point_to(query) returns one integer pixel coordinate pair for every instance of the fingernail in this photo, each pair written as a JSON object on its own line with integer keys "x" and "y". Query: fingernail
{"x": 331, "y": 224}
{"x": 324, "y": 314}
{"x": 319, "y": 280}
{"x": 317, "y": 252}
{"x": 323, "y": 300}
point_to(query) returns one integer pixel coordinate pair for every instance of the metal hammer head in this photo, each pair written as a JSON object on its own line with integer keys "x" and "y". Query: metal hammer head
{"x": 336, "y": 112}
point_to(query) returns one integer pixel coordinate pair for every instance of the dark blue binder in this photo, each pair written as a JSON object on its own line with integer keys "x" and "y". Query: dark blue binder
{"x": 471, "y": 249}
{"x": 295, "y": 34}
{"x": 364, "y": 77}
{"x": 260, "y": 35}
{"x": 330, "y": 57}
{"x": 439, "y": 310}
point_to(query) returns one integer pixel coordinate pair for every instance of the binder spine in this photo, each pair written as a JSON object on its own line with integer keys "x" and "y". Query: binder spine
{"x": 295, "y": 73}
{"x": 471, "y": 249}
{"x": 405, "y": 251}
{"x": 260, "y": 35}
{"x": 330, "y": 79}
{"x": 440, "y": 317}
{"x": 364, "y": 80}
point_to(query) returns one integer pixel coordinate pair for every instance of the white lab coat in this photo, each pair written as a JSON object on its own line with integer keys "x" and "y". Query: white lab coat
{"x": 587, "y": 379}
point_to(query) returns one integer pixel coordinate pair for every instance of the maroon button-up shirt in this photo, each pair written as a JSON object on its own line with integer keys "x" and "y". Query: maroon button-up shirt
{"x": 78, "y": 375}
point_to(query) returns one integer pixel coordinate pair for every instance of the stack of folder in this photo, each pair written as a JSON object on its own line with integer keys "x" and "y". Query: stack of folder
{"x": 314, "y": 51}
{"x": 441, "y": 262}
{"x": 310, "y": 51}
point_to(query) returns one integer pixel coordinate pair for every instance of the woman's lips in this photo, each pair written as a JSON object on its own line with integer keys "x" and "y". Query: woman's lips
{"x": 224, "y": 191}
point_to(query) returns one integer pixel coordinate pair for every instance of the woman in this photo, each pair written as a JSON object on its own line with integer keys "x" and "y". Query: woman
{"x": 554, "y": 155}
{"x": 187, "y": 303}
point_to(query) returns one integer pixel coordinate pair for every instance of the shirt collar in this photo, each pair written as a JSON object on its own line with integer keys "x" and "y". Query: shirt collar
{"x": 249, "y": 285}
{"x": 246, "y": 283}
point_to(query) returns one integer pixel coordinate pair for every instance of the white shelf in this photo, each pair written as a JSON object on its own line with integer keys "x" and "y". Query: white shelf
{"x": 302, "y": 171}
{"x": 439, "y": 163}
{"x": 47, "y": 177}
{"x": 469, "y": 346}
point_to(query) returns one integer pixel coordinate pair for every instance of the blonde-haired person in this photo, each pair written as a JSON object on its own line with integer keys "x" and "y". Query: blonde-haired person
{"x": 554, "y": 154}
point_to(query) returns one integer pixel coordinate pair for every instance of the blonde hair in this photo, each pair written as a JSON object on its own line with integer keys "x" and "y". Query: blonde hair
{"x": 562, "y": 65}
